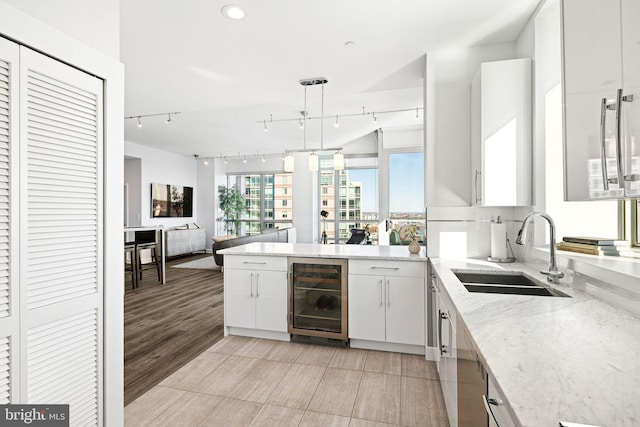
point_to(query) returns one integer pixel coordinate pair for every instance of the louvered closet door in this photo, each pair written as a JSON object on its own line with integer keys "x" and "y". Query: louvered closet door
{"x": 9, "y": 307}
{"x": 61, "y": 236}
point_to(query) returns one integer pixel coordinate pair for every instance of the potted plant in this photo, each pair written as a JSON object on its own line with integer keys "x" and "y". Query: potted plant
{"x": 232, "y": 204}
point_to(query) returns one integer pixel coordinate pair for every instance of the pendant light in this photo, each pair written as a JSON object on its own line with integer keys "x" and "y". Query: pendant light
{"x": 288, "y": 163}
{"x": 313, "y": 161}
{"x": 338, "y": 161}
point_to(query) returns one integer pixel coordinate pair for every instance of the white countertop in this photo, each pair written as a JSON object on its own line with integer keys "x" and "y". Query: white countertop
{"x": 555, "y": 359}
{"x": 326, "y": 251}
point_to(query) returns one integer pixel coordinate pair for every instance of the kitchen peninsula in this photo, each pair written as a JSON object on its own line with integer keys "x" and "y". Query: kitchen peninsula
{"x": 386, "y": 293}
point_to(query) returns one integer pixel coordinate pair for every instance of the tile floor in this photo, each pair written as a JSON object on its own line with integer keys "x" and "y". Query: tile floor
{"x": 254, "y": 382}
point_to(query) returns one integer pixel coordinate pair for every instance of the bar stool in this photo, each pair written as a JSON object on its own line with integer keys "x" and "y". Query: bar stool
{"x": 146, "y": 239}
{"x": 130, "y": 262}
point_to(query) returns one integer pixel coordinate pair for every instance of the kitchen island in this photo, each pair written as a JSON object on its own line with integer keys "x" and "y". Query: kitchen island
{"x": 386, "y": 293}
{"x": 553, "y": 359}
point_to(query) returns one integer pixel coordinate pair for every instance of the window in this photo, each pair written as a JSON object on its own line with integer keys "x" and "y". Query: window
{"x": 350, "y": 197}
{"x": 268, "y": 201}
{"x": 406, "y": 194}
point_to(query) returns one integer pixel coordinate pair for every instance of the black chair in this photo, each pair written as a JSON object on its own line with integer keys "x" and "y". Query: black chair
{"x": 357, "y": 236}
{"x": 146, "y": 239}
{"x": 130, "y": 262}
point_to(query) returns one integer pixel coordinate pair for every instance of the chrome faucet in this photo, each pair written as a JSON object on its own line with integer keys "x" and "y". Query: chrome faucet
{"x": 553, "y": 275}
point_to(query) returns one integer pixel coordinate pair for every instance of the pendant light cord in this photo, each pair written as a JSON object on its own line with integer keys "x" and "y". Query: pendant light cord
{"x": 322, "y": 120}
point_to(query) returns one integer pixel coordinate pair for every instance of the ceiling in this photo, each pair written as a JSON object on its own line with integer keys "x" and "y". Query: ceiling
{"x": 226, "y": 77}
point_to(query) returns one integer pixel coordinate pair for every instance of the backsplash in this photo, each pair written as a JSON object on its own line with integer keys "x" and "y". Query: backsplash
{"x": 465, "y": 232}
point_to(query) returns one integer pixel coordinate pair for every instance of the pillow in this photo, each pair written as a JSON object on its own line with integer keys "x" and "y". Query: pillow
{"x": 217, "y": 239}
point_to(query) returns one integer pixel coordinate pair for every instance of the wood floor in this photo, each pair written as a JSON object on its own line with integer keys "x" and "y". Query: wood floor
{"x": 166, "y": 326}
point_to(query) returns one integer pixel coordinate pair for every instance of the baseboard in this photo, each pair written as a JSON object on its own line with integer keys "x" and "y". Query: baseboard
{"x": 386, "y": 346}
{"x": 257, "y": 333}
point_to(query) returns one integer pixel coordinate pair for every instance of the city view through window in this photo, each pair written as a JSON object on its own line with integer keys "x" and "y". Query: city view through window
{"x": 350, "y": 199}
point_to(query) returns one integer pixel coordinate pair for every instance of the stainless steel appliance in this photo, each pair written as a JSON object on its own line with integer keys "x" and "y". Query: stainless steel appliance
{"x": 318, "y": 297}
{"x": 472, "y": 381}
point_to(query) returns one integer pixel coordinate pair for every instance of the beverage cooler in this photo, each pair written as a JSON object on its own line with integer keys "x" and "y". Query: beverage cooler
{"x": 318, "y": 304}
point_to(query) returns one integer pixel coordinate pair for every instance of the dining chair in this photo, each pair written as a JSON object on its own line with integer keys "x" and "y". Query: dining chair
{"x": 147, "y": 240}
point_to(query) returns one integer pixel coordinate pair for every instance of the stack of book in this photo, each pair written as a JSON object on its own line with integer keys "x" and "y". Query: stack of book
{"x": 597, "y": 246}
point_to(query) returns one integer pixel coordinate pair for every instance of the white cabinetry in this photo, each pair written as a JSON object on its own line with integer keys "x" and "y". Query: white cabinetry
{"x": 501, "y": 134}
{"x": 447, "y": 365}
{"x": 387, "y": 302}
{"x": 256, "y": 293}
{"x": 601, "y": 98}
{"x": 497, "y": 407}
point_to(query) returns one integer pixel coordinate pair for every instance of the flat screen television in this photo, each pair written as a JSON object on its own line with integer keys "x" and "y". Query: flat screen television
{"x": 171, "y": 201}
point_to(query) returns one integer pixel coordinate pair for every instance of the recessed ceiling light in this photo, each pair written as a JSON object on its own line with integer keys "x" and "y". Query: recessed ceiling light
{"x": 233, "y": 11}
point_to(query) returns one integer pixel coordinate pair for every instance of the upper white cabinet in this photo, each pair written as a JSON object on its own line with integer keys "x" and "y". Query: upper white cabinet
{"x": 601, "y": 81}
{"x": 501, "y": 134}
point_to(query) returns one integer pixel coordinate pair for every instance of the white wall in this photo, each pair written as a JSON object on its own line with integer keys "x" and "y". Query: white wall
{"x": 163, "y": 167}
{"x": 132, "y": 181}
{"x": 207, "y": 197}
{"x": 95, "y": 23}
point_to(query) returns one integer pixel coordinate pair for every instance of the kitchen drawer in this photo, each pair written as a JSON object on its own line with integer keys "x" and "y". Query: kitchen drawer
{"x": 387, "y": 268}
{"x": 249, "y": 262}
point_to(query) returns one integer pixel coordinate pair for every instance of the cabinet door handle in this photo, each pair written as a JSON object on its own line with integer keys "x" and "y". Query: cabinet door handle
{"x": 478, "y": 198}
{"x": 381, "y": 293}
{"x": 251, "y": 286}
{"x": 603, "y": 146}
{"x": 620, "y": 166}
{"x": 257, "y": 285}
{"x": 388, "y": 300}
{"x": 254, "y": 262}
{"x": 384, "y": 268}
{"x": 440, "y": 330}
{"x": 488, "y": 402}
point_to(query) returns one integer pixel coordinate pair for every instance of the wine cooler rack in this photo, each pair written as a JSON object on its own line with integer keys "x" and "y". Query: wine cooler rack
{"x": 318, "y": 297}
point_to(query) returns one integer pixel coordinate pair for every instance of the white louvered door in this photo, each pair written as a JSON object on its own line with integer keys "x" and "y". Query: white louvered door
{"x": 61, "y": 236}
{"x": 9, "y": 290}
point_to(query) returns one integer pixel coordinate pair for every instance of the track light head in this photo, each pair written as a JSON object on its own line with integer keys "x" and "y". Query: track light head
{"x": 168, "y": 119}
{"x": 139, "y": 122}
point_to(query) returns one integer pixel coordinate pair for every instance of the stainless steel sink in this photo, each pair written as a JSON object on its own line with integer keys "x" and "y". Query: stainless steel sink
{"x": 505, "y": 283}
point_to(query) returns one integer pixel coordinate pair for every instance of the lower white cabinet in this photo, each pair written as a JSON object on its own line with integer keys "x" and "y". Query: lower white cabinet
{"x": 497, "y": 406}
{"x": 447, "y": 367}
{"x": 385, "y": 305}
{"x": 256, "y": 293}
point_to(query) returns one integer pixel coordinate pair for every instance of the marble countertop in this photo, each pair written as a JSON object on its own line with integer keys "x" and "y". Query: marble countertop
{"x": 555, "y": 359}
{"x": 400, "y": 253}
